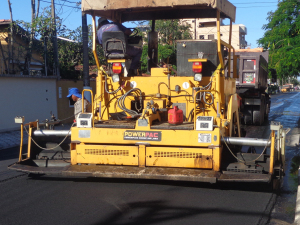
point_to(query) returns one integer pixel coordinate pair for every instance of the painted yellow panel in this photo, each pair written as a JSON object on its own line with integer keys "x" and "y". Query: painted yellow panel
{"x": 179, "y": 157}
{"x": 184, "y": 138}
{"x": 107, "y": 154}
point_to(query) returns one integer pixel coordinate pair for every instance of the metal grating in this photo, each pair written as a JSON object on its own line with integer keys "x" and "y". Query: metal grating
{"x": 245, "y": 171}
{"x": 106, "y": 152}
{"x": 177, "y": 154}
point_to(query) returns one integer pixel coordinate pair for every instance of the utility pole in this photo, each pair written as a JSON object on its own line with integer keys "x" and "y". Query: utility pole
{"x": 45, "y": 54}
{"x": 11, "y": 55}
{"x": 32, "y": 34}
{"x": 85, "y": 40}
{"x": 195, "y": 28}
{"x": 54, "y": 40}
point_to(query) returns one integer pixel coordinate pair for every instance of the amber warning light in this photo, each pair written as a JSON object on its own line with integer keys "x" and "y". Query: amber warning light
{"x": 197, "y": 67}
{"x": 117, "y": 68}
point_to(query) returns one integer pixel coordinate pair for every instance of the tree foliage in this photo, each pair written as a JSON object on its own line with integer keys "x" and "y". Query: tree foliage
{"x": 166, "y": 55}
{"x": 168, "y": 32}
{"x": 282, "y": 38}
{"x": 70, "y": 53}
{"x": 172, "y": 30}
{"x": 294, "y": 81}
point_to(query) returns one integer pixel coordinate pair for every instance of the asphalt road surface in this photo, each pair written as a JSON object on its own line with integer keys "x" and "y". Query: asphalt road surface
{"x": 49, "y": 200}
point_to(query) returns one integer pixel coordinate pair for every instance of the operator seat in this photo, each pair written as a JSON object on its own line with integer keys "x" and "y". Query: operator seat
{"x": 114, "y": 45}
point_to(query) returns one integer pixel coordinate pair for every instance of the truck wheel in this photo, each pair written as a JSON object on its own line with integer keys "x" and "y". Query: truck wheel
{"x": 258, "y": 119}
{"x": 248, "y": 115}
{"x": 267, "y": 112}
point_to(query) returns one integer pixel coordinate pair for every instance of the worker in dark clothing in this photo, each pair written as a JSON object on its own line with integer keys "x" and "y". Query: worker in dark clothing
{"x": 132, "y": 51}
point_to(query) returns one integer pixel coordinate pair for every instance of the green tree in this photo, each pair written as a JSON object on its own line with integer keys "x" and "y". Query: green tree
{"x": 166, "y": 55}
{"x": 172, "y": 30}
{"x": 282, "y": 39}
{"x": 70, "y": 50}
{"x": 294, "y": 81}
{"x": 168, "y": 32}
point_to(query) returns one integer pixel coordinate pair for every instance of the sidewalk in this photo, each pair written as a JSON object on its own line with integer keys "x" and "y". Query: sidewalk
{"x": 10, "y": 139}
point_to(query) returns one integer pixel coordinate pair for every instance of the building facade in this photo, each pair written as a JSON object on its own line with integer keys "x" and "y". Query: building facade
{"x": 13, "y": 50}
{"x": 206, "y": 29}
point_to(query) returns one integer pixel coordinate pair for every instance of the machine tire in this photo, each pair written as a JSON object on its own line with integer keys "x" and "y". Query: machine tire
{"x": 275, "y": 185}
{"x": 258, "y": 119}
{"x": 248, "y": 115}
{"x": 267, "y": 111}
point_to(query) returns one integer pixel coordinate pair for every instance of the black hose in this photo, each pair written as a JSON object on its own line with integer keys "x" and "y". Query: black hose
{"x": 105, "y": 87}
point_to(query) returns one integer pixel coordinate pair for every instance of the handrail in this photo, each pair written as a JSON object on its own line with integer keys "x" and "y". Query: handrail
{"x": 94, "y": 41}
{"x": 195, "y": 101}
{"x": 99, "y": 87}
{"x": 91, "y": 103}
{"x": 272, "y": 152}
{"x": 21, "y": 143}
{"x": 30, "y": 124}
{"x": 219, "y": 39}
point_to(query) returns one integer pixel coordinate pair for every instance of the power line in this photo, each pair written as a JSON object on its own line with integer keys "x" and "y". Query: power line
{"x": 61, "y": 8}
{"x": 70, "y": 2}
{"x": 255, "y": 6}
{"x": 62, "y": 5}
{"x": 252, "y": 3}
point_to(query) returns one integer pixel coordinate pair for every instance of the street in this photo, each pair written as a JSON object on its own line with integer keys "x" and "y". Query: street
{"x": 50, "y": 200}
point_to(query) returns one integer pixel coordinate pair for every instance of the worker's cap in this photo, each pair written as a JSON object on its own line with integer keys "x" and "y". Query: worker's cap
{"x": 74, "y": 91}
{"x": 101, "y": 20}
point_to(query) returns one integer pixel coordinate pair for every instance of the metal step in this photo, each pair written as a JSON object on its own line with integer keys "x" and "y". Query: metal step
{"x": 245, "y": 177}
{"x": 131, "y": 172}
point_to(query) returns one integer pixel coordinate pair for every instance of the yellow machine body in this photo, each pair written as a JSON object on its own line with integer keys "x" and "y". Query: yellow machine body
{"x": 128, "y": 134}
{"x": 153, "y": 142}
{"x": 147, "y": 144}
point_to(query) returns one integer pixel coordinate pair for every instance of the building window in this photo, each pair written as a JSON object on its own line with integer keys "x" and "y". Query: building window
{"x": 211, "y": 36}
{"x": 201, "y": 37}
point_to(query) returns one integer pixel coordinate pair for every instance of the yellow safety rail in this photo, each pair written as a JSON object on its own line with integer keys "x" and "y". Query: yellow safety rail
{"x": 84, "y": 90}
{"x": 196, "y": 101}
{"x": 30, "y": 126}
{"x": 272, "y": 152}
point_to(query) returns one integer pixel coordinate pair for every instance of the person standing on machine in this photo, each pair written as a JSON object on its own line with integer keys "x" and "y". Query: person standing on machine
{"x": 135, "y": 52}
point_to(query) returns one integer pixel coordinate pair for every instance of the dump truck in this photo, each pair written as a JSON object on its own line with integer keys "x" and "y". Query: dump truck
{"x": 181, "y": 126}
{"x": 252, "y": 84}
{"x": 286, "y": 88}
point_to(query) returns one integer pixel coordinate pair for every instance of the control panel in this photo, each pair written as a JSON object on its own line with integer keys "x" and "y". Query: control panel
{"x": 205, "y": 123}
{"x": 84, "y": 120}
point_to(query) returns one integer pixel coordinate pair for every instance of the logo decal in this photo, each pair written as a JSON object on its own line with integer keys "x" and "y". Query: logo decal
{"x": 142, "y": 135}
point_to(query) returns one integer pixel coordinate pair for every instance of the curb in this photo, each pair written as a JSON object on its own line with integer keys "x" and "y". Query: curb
{"x": 297, "y": 208}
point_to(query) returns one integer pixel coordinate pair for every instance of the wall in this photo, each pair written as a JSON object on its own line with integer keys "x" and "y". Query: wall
{"x": 33, "y": 98}
{"x": 65, "y": 111}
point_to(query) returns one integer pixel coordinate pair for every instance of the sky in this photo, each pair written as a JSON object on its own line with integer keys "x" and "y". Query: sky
{"x": 251, "y": 13}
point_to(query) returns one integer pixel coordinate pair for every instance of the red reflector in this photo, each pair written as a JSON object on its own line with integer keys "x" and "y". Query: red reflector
{"x": 117, "y": 68}
{"x": 197, "y": 67}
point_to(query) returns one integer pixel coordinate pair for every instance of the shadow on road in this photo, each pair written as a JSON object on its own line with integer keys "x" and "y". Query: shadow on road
{"x": 154, "y": 212}
{"x": 253, "y": 187}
